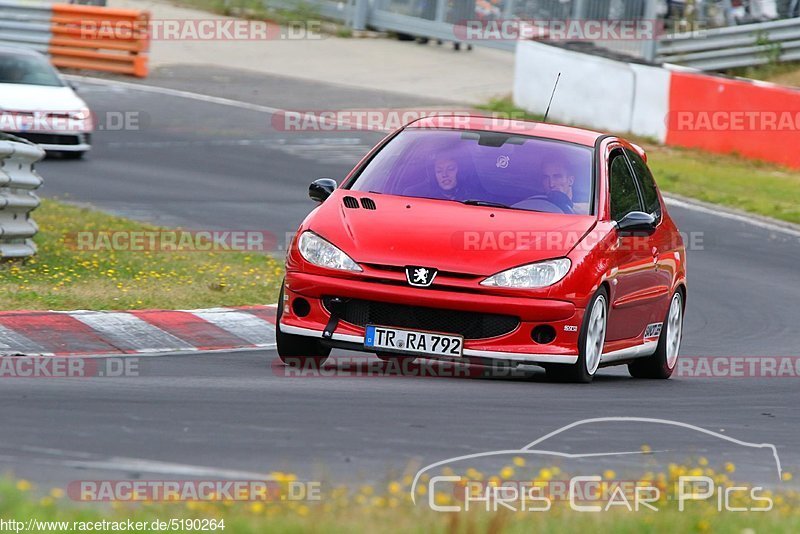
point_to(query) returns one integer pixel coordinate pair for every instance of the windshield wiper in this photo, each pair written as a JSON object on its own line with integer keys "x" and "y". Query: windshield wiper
{"x": 486, "y": 203}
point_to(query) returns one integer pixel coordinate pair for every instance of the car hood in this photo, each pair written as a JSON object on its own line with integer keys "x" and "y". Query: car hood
{"x": 445, "y": 235}
{"x": 21, "y": 97}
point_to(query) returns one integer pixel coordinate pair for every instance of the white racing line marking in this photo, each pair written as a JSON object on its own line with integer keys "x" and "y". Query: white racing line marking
{"x": 163, "y": 468}
{"x": 763, "y": 223}
{"x": 775, "y": 227}
{"x": 11, "y": 341}
{"x": 243, "y": 325}
{"x": 83, "y": 460}
{"x": 191, "y": 352}
{"x": 128, "y": 332}
{"x": 213, "y": 100}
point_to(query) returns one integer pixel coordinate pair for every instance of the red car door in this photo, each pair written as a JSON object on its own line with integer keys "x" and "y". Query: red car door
{"x": 662, "y": 243}
{"x": 633, "y": 257}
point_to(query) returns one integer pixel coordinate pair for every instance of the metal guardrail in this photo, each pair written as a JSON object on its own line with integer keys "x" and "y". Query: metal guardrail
{"x": 736, "y": 46}
{"x": 703, "y": 48}
{"x": 25, "y": 24}
{"x": 79, "y": 36}
{"x": 439, "y": 19}
{"x": 18, "y": 181}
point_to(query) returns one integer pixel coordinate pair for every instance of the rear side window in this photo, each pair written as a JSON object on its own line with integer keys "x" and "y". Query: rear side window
{"x": 647, "y": 183}
{"x": 624, "y": 196}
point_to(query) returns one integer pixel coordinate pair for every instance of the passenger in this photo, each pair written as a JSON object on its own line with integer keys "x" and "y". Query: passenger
{"x": 446, "y": 171}
{"x": 447, "y": 179}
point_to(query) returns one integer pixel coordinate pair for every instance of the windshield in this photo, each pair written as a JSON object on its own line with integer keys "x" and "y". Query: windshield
{"x": 483, "y": 168}
{"x": 27, "y": 69}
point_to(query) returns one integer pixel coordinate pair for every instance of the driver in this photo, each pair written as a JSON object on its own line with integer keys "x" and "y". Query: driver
{"x": 556, "y": 177}
{"x": 557, "y": 181}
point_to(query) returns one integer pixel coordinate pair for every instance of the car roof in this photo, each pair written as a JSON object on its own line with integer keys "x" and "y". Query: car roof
{"x": 503, "y": 125}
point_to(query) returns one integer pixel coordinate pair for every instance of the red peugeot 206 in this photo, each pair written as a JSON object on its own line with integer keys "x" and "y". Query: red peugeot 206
{"x": 482, "y": 240}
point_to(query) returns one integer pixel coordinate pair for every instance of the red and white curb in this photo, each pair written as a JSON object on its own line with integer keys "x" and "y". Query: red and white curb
{"x": 85, "y": 333}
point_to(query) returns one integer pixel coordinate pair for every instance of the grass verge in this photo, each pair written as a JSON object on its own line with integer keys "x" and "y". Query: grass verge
{"x": 388, "y": 507}
{"x": 62, "y": 276}
{"x": 728, "y": 180}
{"x": 782, "y": 72}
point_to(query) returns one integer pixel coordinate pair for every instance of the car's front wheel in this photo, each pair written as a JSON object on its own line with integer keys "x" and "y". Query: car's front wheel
{"x": 663, "y": 362}
{"x": 591, "y": 340}
{"x": 298, "y": 351}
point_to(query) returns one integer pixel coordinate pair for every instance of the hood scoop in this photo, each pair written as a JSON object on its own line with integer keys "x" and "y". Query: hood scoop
{"x": 350, "y": 202}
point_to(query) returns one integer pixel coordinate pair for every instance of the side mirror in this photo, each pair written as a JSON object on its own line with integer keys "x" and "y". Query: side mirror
{"x": 73, "y": 85}
{"x": 321, "y": 189}
{"x": 637, "y": 223}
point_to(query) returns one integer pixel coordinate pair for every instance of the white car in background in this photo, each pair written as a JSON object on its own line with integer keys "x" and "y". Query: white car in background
{"x": 37, "y": 104}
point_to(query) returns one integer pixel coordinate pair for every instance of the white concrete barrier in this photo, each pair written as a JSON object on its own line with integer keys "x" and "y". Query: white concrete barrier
{"x": 594, "y": 91}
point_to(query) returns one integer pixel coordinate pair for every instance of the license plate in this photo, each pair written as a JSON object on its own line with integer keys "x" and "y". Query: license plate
{"x": 397, "y": 340}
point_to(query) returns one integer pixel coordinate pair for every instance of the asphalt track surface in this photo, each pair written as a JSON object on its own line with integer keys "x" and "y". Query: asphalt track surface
{"x": 200, "y": 164}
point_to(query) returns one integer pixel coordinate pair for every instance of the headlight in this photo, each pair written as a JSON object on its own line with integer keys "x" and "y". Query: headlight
{"x": 79, "y": 115}
{"x": 541, "y": 274}
{"x": 320, "y": 252}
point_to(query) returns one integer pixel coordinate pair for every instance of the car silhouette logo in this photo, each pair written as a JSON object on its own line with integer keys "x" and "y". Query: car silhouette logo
{"x": 420, "y": 276}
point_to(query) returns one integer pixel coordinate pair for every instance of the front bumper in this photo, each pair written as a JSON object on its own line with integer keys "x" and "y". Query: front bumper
{"x": 58, "y": 141}
{"x": 516, "y": 346}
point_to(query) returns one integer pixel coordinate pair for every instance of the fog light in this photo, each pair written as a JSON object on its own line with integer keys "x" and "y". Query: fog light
{"x": 301, "y": 307}
{"x": 543, "y": 334}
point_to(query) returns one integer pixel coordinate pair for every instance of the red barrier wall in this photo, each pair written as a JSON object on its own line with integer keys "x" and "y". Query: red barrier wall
{"x": 760, "y": 121}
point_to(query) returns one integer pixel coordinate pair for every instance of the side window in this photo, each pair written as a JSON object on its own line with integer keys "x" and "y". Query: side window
{"x": 624, "y": 196}
{"x": 647, "y": 183}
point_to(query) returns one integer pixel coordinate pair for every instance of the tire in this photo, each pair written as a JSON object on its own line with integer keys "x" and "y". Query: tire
{"x": 590, "y": 343}
{"x": 663, "y": 362}
{"x": 298, "y": 351}
{"x": 402, "y": 359}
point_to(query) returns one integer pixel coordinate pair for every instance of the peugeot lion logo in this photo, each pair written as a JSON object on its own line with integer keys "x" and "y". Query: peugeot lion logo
{"x": 420, "y": 276}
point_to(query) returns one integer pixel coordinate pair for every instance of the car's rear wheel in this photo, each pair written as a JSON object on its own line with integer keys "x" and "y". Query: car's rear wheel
{"x": 298, "y": 351}
{"x": 591, "y": 340}
{"x": 663, "y": 362}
